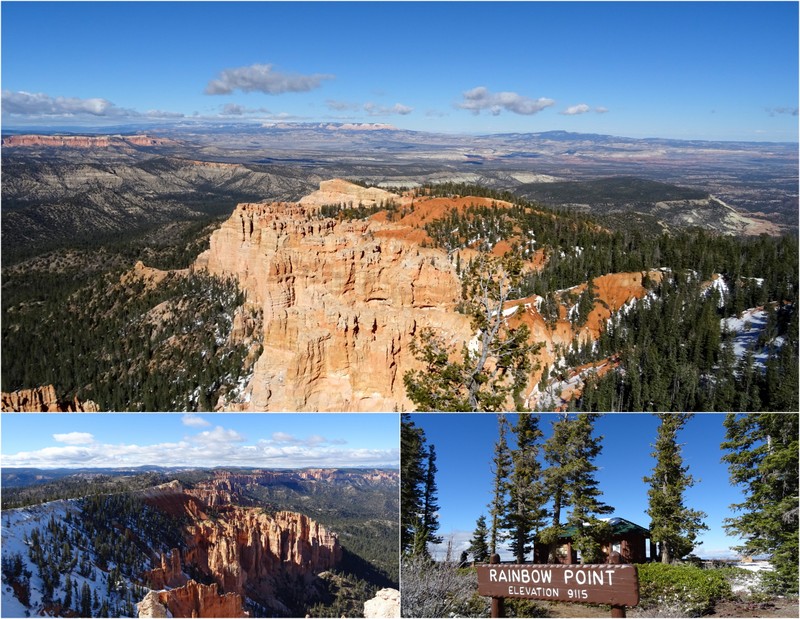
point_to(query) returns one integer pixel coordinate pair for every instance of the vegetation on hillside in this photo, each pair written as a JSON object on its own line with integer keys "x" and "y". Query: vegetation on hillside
{"x": 671, "y": 349}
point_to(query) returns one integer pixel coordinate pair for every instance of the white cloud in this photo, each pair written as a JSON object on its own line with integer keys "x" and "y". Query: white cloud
{"x": 163, "y": 114}
{"x": 373, "y": 109}
{"x": 74, "y": 438}
{"x": 194, "y": 421}
{"x": 480, "y": 98}
{"x": 282, "y": 437}
{"x": 262, "y": 78}
{"x": 582, "y": 108}
{"x": 40, "y": 104}
{"x": 219, "y": 435}
{"x": 234, "y": 109}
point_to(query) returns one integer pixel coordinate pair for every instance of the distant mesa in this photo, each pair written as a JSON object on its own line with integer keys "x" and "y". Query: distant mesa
{"x": 84, "y": 141}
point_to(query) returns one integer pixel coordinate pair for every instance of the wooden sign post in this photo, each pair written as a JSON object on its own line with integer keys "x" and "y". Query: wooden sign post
{"x": 617, "y": 585}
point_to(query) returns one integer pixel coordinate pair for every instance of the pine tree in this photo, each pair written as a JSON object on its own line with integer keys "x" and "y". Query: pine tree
{"x": 526, "y": 512}
{"x": 502, "y": 466}
{"x": 478, "y": 547}
{"x": 419, "y": 520}
{"x": 86, "y": 601}
{"x": 583, "y": 491}
{"x": 412, "y": 476}
{"x": 556, "y": 454}
{"x": 430, "y": 507}
{"x": 763, "y": 458}
{"x": 496, "y": 368}
{"x": 673, "y": 525}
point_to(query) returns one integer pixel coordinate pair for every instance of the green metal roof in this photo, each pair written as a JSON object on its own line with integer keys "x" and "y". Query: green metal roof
{"x": 619, "y": 526}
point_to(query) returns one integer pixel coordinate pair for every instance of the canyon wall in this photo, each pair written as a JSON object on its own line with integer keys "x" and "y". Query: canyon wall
{"x": 242, "y": 549}
{"x": 343, "y": 300}
{"x": 341, "y": 303}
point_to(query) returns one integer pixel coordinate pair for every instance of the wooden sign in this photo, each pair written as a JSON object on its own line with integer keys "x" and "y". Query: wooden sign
{"x": 617, "y": 585}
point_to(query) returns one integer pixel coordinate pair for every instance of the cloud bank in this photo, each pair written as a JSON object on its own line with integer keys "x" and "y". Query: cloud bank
{"x": 215, "y": 447}
{"x": 23, "y": 103}
{"x": 480, "y": 98}
{"x": 262, "y": 78}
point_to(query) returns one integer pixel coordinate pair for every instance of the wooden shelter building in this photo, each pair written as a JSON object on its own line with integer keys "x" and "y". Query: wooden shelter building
{"x": 627, "y": 538}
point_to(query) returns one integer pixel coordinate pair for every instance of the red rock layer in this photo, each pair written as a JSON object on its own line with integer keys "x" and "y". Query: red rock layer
{"x": 341, "y": 303}
{"x": 83, "y": 141}
{"x": 42, "y": 400}
{"x": 196, "y": 600}
{"x": 169, "y": 574}
{"x": 243, "y": 549}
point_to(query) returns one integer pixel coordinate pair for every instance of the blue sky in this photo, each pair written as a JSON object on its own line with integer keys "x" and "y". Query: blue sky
{"x": 465, "y": 446}
{"x": 713, "y": 70}
{"x": 171, "y": 439}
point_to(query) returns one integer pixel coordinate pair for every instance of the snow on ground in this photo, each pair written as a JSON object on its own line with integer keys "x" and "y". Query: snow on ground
{"x": 746, "y": 330}
{"x": 17, "y": 525}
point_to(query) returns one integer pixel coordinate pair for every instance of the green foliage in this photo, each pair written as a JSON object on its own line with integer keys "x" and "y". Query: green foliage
{"x": 478, "y": 547}
{"x": 692, "y": 589}
{"x": 492, "y": 369}
{"x": 346, "y": 212}
{"x": 501, "y": 465}
{"x": 672, "y": 524}
{"x": 671, "y": 350}
{"x": 75, "y": 487}
{"x": 418, "y": 491}
{"x": 762, "y": 457}
{"x": 527, "y": 494}
{"x": 128, "y": 346}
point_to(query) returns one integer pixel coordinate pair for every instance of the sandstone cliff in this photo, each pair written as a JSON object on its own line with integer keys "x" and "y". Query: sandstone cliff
{"x": 242, "y": 549}
{"x": 341, "y": 302}
{"x": 192, "y": 600}
{"x": 43, "y": 400}
{"x": 169, "y": 574}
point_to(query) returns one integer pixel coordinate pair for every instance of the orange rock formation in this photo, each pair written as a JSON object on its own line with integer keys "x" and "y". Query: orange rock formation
{"x": 192, "y": 600}
{"x": 241, "y": 548}
{"x": 341, "y": 303}
{"x": 169, "y": 574}
{"x": 342, "y": 300}
{"x": 42, "y": 400}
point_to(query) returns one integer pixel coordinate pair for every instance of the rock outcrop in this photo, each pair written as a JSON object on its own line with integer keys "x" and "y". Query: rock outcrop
{"x": 343, "y": 300}
{"x": 341, "y": 303}
{"x": 43, "y": 400}
{"x": 169, "y": 574}
{"x": 242, "y": 549}
{"x": 386, "y": 603}
{"x": 192, "y": 600}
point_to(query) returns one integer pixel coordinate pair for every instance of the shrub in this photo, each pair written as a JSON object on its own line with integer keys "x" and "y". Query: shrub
{"x": 439, "y": 589}
{"x": 691, "y": 591}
